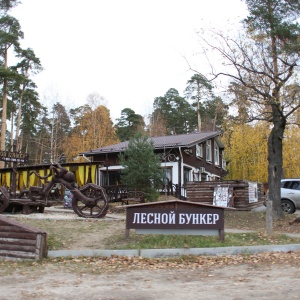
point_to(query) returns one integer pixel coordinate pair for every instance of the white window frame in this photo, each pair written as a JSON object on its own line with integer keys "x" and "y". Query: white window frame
{"x": 216, "y": 154}
{"x": 208, "y": 151}
{"x": 199, "y": 150}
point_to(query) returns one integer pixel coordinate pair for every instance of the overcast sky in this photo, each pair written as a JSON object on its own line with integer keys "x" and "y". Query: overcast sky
{"x": 127, "y": 51}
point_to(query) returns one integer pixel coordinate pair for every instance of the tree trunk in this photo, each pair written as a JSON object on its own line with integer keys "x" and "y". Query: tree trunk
{"x": 275, "y": 168}
{"x": 3, "y": 120}
{"x": 19, "y": 119}
{"x": 276, "y": 136}
{"x": 11, "y": 130}
{"x": 4, "y": 112}
{"x": 4, "y": 108}
{"x": 198, "y": 107}
{"x": 20, "y": 142}
{"x": 199, "y": 117}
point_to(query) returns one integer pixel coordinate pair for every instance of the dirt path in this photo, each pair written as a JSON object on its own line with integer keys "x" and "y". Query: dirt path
{"x": 263, "y": 278}
{"x": 230, "y": 282}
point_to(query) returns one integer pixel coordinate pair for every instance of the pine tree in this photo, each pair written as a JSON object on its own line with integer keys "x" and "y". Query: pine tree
{"x": 141, "y": 167}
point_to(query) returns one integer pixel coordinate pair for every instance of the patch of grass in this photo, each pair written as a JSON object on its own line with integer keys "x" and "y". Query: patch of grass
{"x": 137, "y": 241}
{"x": 64, "y": 232}
{"x": 8, "y": 267}
{"x": 257, "y": 221}
{"x": 53, "y": 243}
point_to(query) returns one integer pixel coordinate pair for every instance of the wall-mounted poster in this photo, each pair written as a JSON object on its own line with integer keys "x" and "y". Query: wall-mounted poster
{"x": 253, "y": 192}
{"x": 223, "y": 196}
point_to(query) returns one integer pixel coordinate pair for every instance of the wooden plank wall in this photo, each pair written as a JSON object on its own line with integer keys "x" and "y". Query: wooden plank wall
{"x": 19, "y": 241}
{"x": 202, "y": 192}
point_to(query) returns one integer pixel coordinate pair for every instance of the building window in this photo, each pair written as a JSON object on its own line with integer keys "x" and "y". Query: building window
{"x": 110, "y": 177}
{"x": 196, "y": 176}
{"x": 186, "y": 175}
{"x": 208, "y": 151}
{"x": 167, "y": 176}
{"x": 223, "y": 161}
{"x": 199, "y": 151}
{"x": 216, "y": 154}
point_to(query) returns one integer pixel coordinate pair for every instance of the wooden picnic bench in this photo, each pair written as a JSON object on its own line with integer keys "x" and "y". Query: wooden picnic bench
{"x": 133, "y": 197}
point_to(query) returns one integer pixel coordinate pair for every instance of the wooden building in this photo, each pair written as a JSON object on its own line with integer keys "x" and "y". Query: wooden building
{"x": 186, "y": 157}
{"x": 242, "y": 195}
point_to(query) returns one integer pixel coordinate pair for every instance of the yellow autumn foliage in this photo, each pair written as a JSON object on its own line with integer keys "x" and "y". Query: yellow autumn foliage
{"x": 95, "y": 130}
{"x": 246, "y": 152}
{"x": 291, "y": 153}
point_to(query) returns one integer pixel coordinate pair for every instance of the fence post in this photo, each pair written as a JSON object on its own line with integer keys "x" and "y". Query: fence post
{"x": 269, "y": 217}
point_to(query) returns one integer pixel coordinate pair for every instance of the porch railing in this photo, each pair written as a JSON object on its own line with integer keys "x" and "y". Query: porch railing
{"x": 116, "y": 193}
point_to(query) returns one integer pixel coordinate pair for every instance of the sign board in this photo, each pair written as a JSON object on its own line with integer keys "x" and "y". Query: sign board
{"x": 223, "y": 196}
{"x": 13, "y": 156}
{"x": 253, "y": 192}
{"x": 175, "y": 217}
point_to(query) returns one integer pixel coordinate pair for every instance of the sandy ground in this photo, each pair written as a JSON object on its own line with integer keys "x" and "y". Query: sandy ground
{"x": 232, "y": 282}
{"x": 89, "y": 240}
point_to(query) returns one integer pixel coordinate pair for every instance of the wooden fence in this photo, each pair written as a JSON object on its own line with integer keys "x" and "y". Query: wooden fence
{"x": 203, "y": 192}
{"x": 19, "y": 241}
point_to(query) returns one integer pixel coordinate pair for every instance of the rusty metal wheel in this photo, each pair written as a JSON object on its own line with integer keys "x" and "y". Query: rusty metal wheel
{"x": 95, "y": 207}
{"x": 4, "y": 199}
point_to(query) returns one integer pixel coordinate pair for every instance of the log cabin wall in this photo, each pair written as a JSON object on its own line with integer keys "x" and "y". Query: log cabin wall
{"x": 203, "y": 192}
{"x": 19, "y": 241}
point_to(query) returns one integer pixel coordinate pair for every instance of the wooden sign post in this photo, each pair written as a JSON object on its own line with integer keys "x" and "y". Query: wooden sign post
{"x": 175, "y": 217}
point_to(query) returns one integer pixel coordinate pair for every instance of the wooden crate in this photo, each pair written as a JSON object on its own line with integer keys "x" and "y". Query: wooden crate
{"x": 19, "y": 241}
{"x": 203, "y": 192}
